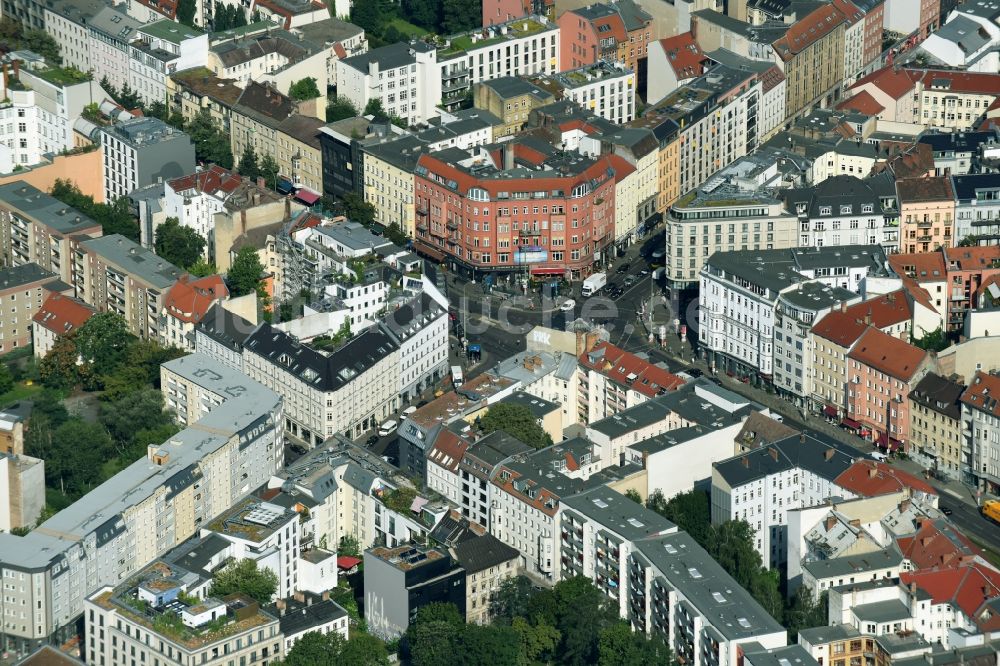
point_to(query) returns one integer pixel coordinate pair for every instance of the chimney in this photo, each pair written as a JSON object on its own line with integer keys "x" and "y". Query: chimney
{"x": 17, "y": 69}
{"x": 581, "y": 343}
{"x": 843, "y": 306}
{"x": 746, "y": 461}
{"x": 913, "y": 588}
{"x": 326, "y": 596}
{"x": 774, "y": 453}
{"x": 802, "y": 438}
{"x": 830, "y": 522}
{"x": 508, "y": 157}
{"x": 854, "y": 522}
{"x": 299, "y": 597}
{"x": 593, "y": 337}
{"x": 872, "y": 471}
{"x": 280, "y": 605}
{"x": 868, "y": 318}
{"x": 261, "y": 183}
{"x": 904, "y": 505}
{"x": 828, "y": 454}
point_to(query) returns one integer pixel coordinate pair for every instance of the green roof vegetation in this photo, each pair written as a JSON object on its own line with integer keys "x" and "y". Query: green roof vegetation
{"x": 170, "y": 31}
{"x": 518, "y": 28}
{"x": 62, "y": 76}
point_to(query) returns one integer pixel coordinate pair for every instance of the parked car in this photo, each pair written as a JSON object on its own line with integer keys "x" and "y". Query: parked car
{"x": 299, "y": 449}
{"x": 946, "y": 511}
{"x": 371, "y": 441}
{"x": 630, "y": 280}
{"x": 624, "y": 267}
{"x": 567, "y": 305}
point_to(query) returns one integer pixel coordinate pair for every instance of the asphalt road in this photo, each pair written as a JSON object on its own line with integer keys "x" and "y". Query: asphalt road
{"x": 968, "y": 519}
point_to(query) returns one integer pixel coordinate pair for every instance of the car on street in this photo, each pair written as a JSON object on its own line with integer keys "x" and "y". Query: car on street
{"x": 630, "y": 280}
{"x": 614, "y": 291}
{"x": 624, "y": 267}
{"x": 644, "y": 272}
{"x": 946, "y": 510}
{"x": 371, "y": 441}
{"x": 567, "y": 305}
{"x": 299, "y": 449}
{"x": 421, "y": 404}
{"x": 694, "y": 372}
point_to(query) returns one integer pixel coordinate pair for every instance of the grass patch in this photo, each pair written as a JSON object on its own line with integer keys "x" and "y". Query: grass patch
{"x": 21, "y": 391}
{"x": 63, "y": 75}
{"x": 405, "y": 26}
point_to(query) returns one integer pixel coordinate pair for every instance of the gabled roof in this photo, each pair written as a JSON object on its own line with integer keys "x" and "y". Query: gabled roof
{"x": 888, "y": 354}
{"x": 982, "y": 393}
{"x": 971, "y": 258}
{"x": 937, "y": 544}
{"x": 629, "y": 370}
{"x": 939, "y": 394}
{"x": 863, "y": 102}
{"x": 868, "y": 478}
{"x": 965, "y": 587}
{"x": 919, "y": 266}
{"x": 188, "y": 300}
{"x": 684, "y": 55}
{"x": 962, "y": 82}
{"x": 891, "y": 81}
{"x": 214, "y": 180}
{"x": 63, "y": 315}
{"x": 846, "y": 325}
{"x": 448, "y": 450}
{"x": 936, "y": 188}
{"x": 810, "y": 29}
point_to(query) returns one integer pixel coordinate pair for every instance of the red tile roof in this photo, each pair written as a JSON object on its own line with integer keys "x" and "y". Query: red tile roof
{"x": 189, "y": 301}
{"x": 845, "y": 326}
{"x": 616, "y": 24}
{"x": 919, "y": 266}
{"x": 864, "y": 103}
{"x": 62, "y": 314}
{"x": 621, "y": 166}
{"x": 448, "y": 450}
{"x": 888, "y": 354}
{"x": 971, "y": 258}
{"x": 937, "y": 188}
{"x": 893, "y": 82}
{"x": 338, "y": 48}
{"x": 814, "y": 26}
{"x": 683, "y": 55}
{"x": 965, "y": 587}
{"x": 771, "y": 77}
{"x": 983, "y": 393}
{"x": 629, "y": 370}
{"x": 937, "y": 544}
{"x": 963, "y": 82}
{"x": 212, "y": 180}
{"x": 868, "y": 478}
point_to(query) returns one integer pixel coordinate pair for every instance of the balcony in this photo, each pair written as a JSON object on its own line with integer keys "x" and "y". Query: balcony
{"x": 924, "y": 224}
{"x": 422, "y": 211}
{"x": 452, "y": 225}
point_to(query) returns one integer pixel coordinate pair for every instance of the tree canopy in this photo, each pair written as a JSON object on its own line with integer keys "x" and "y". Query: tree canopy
{"x": 114, "y": 218}
{"x": 181, "y": 246}
{"x": 185, "y": 12}
{"x": 248, "y": 163}
{"x": 316, "y": 649}
{"x": 517, "y": 421}
{"x": 246, "y": 272}
{"x": 211, "y": 144}
{"x": 340, "y": 108}
{"x": 304, "y": 89}
{"x": 245, "y": 577}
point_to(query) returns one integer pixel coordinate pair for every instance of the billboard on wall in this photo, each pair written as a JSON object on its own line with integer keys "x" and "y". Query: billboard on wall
{"x": 530, "y": 254}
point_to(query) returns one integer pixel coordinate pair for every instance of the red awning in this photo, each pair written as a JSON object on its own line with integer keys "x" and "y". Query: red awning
{"x": 347, "y": 562}
{"x": 307, "y": 196}
{"x": 830, "y": 410}
{"x": 547, "y": 270}
{"x": 888, "y": 443}
{"x": 427, "y": 249}
{"x": 850, "y": 423}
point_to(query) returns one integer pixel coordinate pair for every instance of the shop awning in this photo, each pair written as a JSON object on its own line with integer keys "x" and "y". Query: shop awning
{"x": 830, "y": 410}
{"x": 428, "y": 250}
{"x": 888, "y": 443}
{"x": 347, "y": 562}
{"x": 284, "y": 186}
{"x": 547, "y": 270}
{"x": 850, "y": 423}
{"x": 307, "y": 196}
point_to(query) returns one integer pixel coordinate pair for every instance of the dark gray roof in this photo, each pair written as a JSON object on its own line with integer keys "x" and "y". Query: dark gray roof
{"x": 966, "y": 33}
{"x": 324, "y": 372}
{"x": 412, "y": 317}
{"x": 889, "y": 610}
{"x": 44, "y": 208}
{"x": 483, "y": 552}
{"x": 497, "y": 447}
{"x": 507, "y": 87}
{"x": 118, "y": 25}
{"x": 264, "y": 104}
{"x": 226, "y": 328}
{"x": 301, "y": 617}
{"x": 822, "y": 635}
{"x": 816, "y": 296}
{"x": 539, "y": 407}
{"x": 833, "y": 193}
{"x": 138, "y": 261}
{"x": 824, "y": 457}
{"x": 959, "y": 142}
{"x": 17, "y": 276}
{"x": 617, "y": 513}
{"x": 275, "y": 42}
{"x": 939, "y": 394}
{"x": 388, "y": 57}
{"x": 329, "y": 31}
{"x": 196, "y": 555}
{"x": 970, "y": 186}
{"x": 861, "y": 564}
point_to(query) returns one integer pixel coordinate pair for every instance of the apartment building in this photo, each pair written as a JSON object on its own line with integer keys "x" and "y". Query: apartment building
{"x": 568, "y": 226}
{"x": 270, "y": 55}
{"x": 143, "y": 151}
{"x": 834, "y": 336}
{"x": 36, "y": 228}
{"x": 22, "y": 477}
{"x": 882, "y": 370}
{"x": 221, "y": 334}
{"x": 605, "y": 89}
{"x": 159, "y": 49}
{"x": 186, "y": 304}
{"x": 980, "y": 427}
{"x": 110, "y": 35}
{"x": 115, "y": 274}
{"x": 350, "y": 390}
{"x": 977, "y": 205}
{"x": 953, "y": 100}
{"x": 611, "y": 379}
{"x": 927, "y": 214}
{"x": 120, "y": 622}
{"x": 615, "y": 31}
{"x": 846, "y": 210}
{"x": 598, "y": 531}
{"x": 488, "y": 563}
{"x": 138, "y": 514}
{"x": 420, "y": 328}
{"x": 677, "y": 60}
{"x": 813, "y": 53}
{"x": 510, "y": 98}
{"x": 23, "y": 289}
{"x": 936, "y": 424}
{"x": 900, "y": 17}
{"x": 404, "y": 77}
{"x": 762, "y": 485}
{"x": 59, "y": 315}
{"x": 739, "y": 290}
{"x": 679, "y": 593}
{"x": 465, "y": 60}
{"x": 957, "y": 153}
{"x": 795, "y": 313}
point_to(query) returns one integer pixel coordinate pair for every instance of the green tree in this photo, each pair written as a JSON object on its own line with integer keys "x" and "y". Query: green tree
{"x": 362, "y": 650}
{"x": 79, "y": 449}
{"x": 248, "y": 163}
{"x": 424, "y": 13}
{"x": 433, "y": 635}
{"x": 969, "y": 241}
{"x": 618, "y": 645}
{"x": 803, "y": 612}
{"x": 374, "y": 108}
{"x": 108, "y": 88}
{"x": 340, "y": 108}
{"x": 583, "y": 613}
{"x": 511, "y": 599}
{"x": 185, "y": 12}
{"x": 460, "y": 16}
{"x": 244, "y": 577}
{"x": 6, "y": 379}
{"x": 142, "y": 406}
{"x": 479, "y": 644}
{"x": 372, "y": 15}
{"x": 537, "y": 642}
{"x": 114, "y": 218}
{"x": 633, "y": 495}
{"x": 49, "y": 404}
{"x": 357, "y": 209}
{"x": 517, "y": 421}
{"x": 202, "y": 268}
{"x": 58, "y": 368}
{"x": 181, "y": 246}
{"x": 103, "y": 341}
{"x": 246, "y": 272}
{"x": 43, "y": 44}
{"x": 690, "y": 511}
{"x": 394, "y": 233}
{"x": 934, "y": 341}
{"x": 349, "y": 546}
{"x": 269, "y": 170}
{"x": 304, "y": 89}
{"x": 210, "y": 144}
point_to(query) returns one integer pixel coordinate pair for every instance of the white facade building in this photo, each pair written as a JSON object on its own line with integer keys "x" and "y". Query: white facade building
{"x": 420, "y": 328}
{"x": 403, "y": 77}
{"x": 110, "y": 34}
{"x": 605, "y": 89}
{"x": 160, "y": 49}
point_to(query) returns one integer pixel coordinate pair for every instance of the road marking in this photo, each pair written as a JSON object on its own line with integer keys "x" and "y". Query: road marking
{"x": 952, "y": 493}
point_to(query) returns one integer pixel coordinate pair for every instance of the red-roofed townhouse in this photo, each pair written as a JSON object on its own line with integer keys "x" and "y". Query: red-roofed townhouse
{"x": 893, "y": 89}
{"x": 194, "y": 199}
{"x": 937, "y": 545}
{"x": 185, "y": 305}
{"x": 675, "y": 61}
{"x": 612, "y": 379}
{"x": 869, "y": 478}
{"x": 864, "y": 103}
{"x": 926, "y": 213}
{"x": 882, "y": 370}
{"x": 955, "y": 99}
{"x": 968, "y": 269}
{"x": 617, "y": 32}
{"x": 959, "y": 597}
{"x": 59, "y": 315}
{"x": 981, "y": 426}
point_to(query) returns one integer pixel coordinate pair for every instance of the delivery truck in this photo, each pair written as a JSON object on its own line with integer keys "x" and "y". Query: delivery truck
{"x": 594, "y": 283}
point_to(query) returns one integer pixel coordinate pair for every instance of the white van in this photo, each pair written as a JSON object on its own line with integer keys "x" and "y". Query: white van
{"x": 881, "y": 457}
{"x": 409, "y": 410}
{"x": 387, "y": 428}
